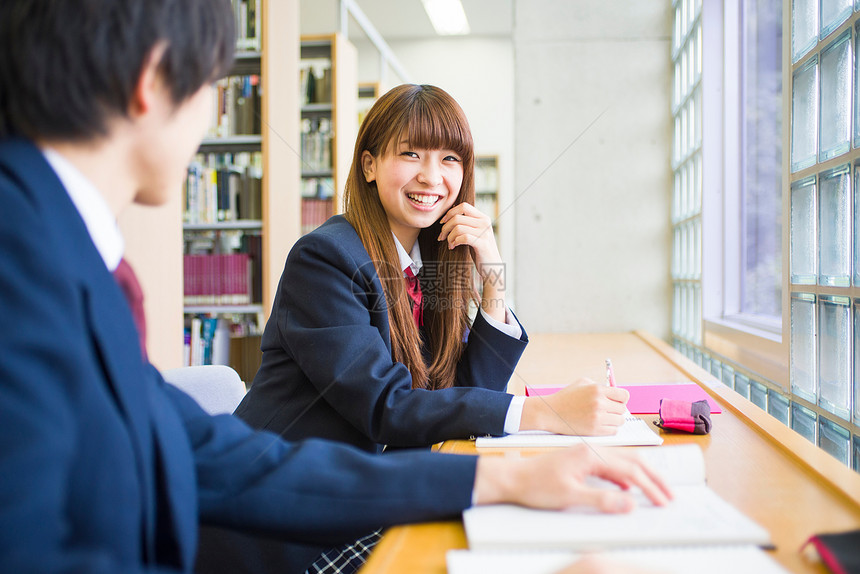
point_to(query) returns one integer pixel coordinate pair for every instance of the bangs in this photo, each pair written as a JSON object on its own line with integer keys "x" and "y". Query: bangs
{"x": 439, "y": 124}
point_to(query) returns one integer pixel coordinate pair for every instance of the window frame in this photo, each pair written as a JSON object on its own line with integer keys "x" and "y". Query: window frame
{"x": 760, "y": 344}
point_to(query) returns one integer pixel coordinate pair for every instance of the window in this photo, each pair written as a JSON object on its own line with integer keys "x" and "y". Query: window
{"x": 786, "y": 335}
{"x": 760, "y": 159}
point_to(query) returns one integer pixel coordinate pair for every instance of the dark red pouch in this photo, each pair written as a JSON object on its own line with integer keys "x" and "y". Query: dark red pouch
{"x": 685, "y": 416}
{"x": 840, "y": 551}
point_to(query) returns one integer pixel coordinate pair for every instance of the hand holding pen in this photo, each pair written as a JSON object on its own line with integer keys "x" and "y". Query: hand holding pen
{"x": 582, "y": 408}
{"x": 610, "y": 380}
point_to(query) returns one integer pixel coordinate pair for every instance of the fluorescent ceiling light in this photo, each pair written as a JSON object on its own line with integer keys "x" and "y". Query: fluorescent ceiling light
{"x": 447, "y": 16}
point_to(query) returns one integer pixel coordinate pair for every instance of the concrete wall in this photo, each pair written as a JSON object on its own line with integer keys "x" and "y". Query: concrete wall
{"x": 592, "y": 172}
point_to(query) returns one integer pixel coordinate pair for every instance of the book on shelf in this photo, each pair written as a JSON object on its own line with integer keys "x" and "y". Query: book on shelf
{"x": 634, "y": 432}
{"x": 247, "y": 14}
{"x": 207, "y": 342}
{"x": 486, "y": 175}
{"x": 246, "y": 356}
{"x": 317, "y": 139}
{"x": 315, "y": 80}
{"x": 213, "y": 340}
{"x": 223, "y": 187}
{"x": 700, "y": 560}
{"x": 236, "y": 107}
{"x": 317, "y": 187}
{"x": 696, "y": 516}
{"x": 218, "y": 279}
{"x": 252, "y": 244}
{"x": 315, "y": 212}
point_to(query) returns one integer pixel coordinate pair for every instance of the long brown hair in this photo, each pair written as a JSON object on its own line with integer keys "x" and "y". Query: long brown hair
{"x": 429, "y": 118}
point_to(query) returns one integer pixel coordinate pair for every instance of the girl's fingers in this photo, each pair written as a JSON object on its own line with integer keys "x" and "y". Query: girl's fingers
{"x": 460, "y": 209}
{"x": 479, "y": 224}
{"x": 462, "y": 239}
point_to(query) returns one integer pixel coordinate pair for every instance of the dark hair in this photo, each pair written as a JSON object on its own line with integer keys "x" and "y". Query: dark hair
{"x": 428, "y": 117}
{"x": 69, "y": 66}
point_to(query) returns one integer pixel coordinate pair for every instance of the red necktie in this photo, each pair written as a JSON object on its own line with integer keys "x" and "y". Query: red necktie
{"x": 127, "y": 281}
{"x": 413, "y": 287}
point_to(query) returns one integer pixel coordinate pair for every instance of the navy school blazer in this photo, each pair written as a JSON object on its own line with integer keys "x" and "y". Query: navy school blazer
{"x": 327, "y": 369}
{"x": 105, "y": 468}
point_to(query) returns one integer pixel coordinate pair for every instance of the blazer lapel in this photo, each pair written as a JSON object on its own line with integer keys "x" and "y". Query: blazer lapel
{"x": 111, "y": 327}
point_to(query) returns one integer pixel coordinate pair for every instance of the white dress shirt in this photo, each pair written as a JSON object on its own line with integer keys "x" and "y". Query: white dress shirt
{"x": 100, "y": 221}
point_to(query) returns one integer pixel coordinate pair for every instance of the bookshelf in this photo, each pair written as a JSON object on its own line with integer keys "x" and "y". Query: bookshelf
{"x": 487, "y": 188}
{"x": 329, "y": 124}
{"x": 222, "y": 227}
{"x": 237, "y": 220}
{"x": 155, "y": 237}
{"x": 368, "y": 93}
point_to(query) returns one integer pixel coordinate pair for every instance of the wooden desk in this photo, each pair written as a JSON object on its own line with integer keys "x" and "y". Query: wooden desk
{"x": 769, "y": 472}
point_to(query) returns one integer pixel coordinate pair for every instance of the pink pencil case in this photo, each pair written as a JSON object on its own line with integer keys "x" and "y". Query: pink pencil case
{"x": 684, "y": 416}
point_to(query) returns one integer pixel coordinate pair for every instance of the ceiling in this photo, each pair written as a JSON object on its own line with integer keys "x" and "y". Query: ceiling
{"x": 401, "y": 19}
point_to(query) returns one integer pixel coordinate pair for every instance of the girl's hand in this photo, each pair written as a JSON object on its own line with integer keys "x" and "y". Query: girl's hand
{"x": 583, "y": 408}
{"x": 464, "y": 224}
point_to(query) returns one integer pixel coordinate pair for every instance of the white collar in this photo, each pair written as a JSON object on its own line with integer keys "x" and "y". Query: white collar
{"x": 411, "y": 259}
{"x": 91, "y": 205}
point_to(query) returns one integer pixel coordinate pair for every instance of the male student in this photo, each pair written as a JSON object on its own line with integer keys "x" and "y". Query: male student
{"x": 104, "y": 468}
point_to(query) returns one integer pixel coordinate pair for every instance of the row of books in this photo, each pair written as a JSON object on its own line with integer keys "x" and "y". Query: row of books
{"x": 316, "y": 141}
{"x": 236, "y": 107}
{"x": 206, "y": 341}
{"x": 218, "y": 340}
{"x": 317, "y": 187}
{"x": 315, "y": 212}
{"x": 315, "y": 81}
{"x": 220, "y": 279}
{"x": 486, "y": 175}
{"x": 249, "y": 28}
{"x": 224, "y": 187}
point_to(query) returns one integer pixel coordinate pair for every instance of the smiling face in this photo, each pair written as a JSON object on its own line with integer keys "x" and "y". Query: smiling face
{"x": 416, "y": 186}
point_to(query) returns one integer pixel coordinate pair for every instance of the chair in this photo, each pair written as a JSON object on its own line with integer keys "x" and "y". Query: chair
{"x": 216, "y": 388}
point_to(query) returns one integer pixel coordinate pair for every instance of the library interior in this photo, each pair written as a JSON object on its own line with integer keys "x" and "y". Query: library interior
{"x": 674, "y": 184}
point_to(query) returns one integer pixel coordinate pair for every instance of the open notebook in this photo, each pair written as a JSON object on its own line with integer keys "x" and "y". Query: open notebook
{"x": 696, "y": 516}
{"x": 634, "y": 432}
{"x": 709, "y": 560}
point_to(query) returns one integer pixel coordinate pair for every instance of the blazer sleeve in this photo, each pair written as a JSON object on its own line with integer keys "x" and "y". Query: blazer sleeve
{"x": 315, "y": 491}
{"x": 325, "y": 318}
{"x": 490, "y": 356}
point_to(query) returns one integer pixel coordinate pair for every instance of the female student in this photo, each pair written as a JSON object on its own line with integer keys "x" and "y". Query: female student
{"x": 370, "y": 340}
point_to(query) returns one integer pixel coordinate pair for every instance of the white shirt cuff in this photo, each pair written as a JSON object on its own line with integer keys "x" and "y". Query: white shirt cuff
{"x": 510, "y": 327}
{"x": 515, "y": 414}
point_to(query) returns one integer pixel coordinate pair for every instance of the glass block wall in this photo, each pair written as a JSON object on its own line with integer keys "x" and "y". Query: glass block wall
{"x": 823, "y": 231}
{"x": 822, "y": 402}
{"x": 687, "y": 171}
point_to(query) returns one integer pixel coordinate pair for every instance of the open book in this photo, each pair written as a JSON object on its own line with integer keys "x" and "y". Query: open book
{"x": 707, "y": 560}
{"x": 634, "y": 432}
{"x": 696, "y": 516}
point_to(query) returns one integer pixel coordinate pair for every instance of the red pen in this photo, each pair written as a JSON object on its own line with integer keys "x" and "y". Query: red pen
{"x": 610, "y": 376}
